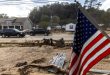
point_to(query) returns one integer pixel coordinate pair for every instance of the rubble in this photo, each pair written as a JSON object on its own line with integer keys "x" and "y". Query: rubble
{"x": 39, "y": 61}
{"x": 19, "y": 64}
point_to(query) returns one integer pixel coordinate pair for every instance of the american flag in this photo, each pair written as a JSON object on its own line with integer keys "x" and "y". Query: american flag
{"x": 90, "y": 45}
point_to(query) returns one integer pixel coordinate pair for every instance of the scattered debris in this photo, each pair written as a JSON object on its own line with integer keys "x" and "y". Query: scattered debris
{"x": 2, "y": 69}
{"x": 48, "y": 42}
{"x": 60, "y": 43}
{"x": 57, "y": 61}
{"x": 55, "y": 65}
{"x": 25, "y": 69}
{"x": 39, "y": 61}
{"x": 19, "y": 64}
{"x": 31, "y": 43}
{"x": 97, "y": 71}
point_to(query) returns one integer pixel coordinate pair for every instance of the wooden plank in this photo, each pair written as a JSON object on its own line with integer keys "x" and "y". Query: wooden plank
{"x": 100, "y": 71}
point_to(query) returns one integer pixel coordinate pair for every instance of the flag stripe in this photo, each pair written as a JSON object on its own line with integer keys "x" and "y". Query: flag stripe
{"x": 95, "y": 57}
{"x": 74, "y": 67}
{"x": 86, "y": 58}
{"x": 107, "y": 52}
{"x": 94, "y": 52}
{"x": 95, "y": 37}
{"x": 91, "y": 44}
{"x": 73, "y": 60}
{"x": 91, "y": 39}
{"x": 83, "y": 56}
{"x": 92, "y": 48}
{"x": 72, "y": 56}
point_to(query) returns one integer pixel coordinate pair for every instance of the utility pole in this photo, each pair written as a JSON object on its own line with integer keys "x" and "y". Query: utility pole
{"x": 51, "y": 16}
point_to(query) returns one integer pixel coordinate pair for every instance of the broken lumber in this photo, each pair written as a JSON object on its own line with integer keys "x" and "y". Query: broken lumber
{"x": 97, "y": 71}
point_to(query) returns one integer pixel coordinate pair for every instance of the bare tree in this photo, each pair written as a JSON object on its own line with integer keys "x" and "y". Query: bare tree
{"x": 92, "y": 3}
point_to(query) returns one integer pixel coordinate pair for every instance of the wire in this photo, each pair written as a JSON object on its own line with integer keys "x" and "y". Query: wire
{"x": 20, "y": 2}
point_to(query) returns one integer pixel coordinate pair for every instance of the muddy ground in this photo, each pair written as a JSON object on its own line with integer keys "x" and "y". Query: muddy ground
{"x": 11, "y": 57}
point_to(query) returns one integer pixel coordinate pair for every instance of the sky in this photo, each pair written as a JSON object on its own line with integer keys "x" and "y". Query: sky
{"x": 22, "y": 8}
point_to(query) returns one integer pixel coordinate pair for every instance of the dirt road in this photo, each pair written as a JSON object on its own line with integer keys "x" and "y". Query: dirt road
{"x": 38, "y": 37}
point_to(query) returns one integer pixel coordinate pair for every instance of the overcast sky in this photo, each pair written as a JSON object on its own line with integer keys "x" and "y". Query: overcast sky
{"x": 21, "y": 8}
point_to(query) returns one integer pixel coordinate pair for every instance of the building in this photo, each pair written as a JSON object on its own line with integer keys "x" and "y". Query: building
{"x": 18, "y": 23}
{"x": 70, "y": 27}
